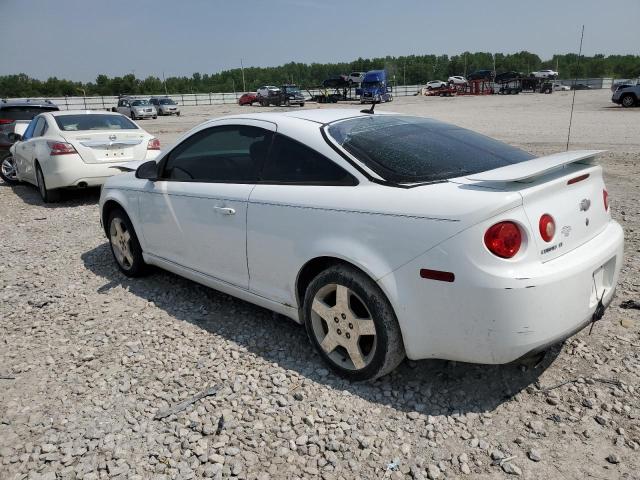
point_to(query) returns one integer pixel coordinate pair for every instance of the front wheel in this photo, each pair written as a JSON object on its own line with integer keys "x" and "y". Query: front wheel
{"x": 8, "y": 170}
{"x": 177, "y": 114}
{"x": 302, "y": 104}
{"x": 133, "y": 116}
{"x": 351, "y": 324}
{"x": 627, "y": 101}
{"x": 48, "y": 196}
{"x": 125, "y": 246}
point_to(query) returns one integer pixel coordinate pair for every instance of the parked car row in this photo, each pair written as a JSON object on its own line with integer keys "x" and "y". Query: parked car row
{"x": 271, "y": 208}
{"x": 140, "y": 108}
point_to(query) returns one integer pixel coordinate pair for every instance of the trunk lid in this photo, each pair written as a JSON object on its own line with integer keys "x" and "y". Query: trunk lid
{"x": 108, "y": 146}
{"x": 568, "y": 186}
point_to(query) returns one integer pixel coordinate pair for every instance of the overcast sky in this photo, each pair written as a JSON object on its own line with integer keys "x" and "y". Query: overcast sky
{"x": 78, "y": 39}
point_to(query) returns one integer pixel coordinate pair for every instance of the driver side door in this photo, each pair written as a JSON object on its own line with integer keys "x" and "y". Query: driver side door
{"x": 195, "y": 214}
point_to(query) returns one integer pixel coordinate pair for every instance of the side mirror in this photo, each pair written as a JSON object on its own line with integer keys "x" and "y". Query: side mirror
{"x": 148, "y": 171}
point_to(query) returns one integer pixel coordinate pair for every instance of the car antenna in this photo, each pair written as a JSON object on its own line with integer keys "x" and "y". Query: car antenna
{"x": 573, "y": 101}
{"x": 370, "y": 110}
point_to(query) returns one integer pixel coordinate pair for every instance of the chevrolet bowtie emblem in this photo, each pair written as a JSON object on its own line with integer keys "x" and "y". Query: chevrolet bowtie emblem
{"x": 585, "y": 204}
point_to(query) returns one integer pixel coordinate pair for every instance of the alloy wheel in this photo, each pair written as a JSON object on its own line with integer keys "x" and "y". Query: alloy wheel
{"x": 9, "y": 168}
{"x": 343, "y": 327}
{"x": 120, "y": 242}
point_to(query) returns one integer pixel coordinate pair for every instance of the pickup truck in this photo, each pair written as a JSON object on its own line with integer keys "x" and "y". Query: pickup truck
{"x": 627, "y": 95}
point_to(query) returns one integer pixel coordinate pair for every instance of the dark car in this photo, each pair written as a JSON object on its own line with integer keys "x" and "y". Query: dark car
{"x": 481, "y": 75}
{"x": 15, "y": 111}
{"x": 336, "y": 81}
{"x": 248, "y": 98}
{"x": 580, "y": 86}
{"x": 508, "y": 76}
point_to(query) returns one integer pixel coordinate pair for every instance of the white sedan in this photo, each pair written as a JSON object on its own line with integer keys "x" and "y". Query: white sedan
{"x": 545, "y": 74}
{"x": 76, "y": 149}
{"x": 386, "y": 235}
{"x": 434, "y": 84}
{"x": 458, "y": 80}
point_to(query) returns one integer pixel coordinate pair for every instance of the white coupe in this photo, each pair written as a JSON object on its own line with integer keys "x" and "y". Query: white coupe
{"x": 75, "y": 149}
{"x": 386, "y": 235}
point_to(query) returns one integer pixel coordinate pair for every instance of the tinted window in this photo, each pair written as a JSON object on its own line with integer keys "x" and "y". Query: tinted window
{"x": 40, "y": 127}
{"x": 409, "y": 149}
{"x": 94, "y": 122}
{"x": 24, "y": 113}
{"x": 292, "y": 162}
{"x": 139, "y": 103}
{"x": 220, "y": 154}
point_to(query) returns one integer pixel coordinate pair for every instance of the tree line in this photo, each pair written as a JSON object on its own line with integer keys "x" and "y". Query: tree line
{"x": 408, "y": 70}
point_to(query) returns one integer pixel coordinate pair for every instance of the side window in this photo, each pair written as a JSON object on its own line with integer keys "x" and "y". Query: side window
{"x": 293, "y": 162}
{"x": 28, "y": 133}
{"x": 40, "y": 126}
{"x": 225, "y": 154}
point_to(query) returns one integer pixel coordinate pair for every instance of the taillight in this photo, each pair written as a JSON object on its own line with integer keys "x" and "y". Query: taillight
{"x": 503, "y": 239}
{"x": 61, "y": 148}
{"x": 6, "y": 121}
{"x": 605, "y": 199}
{"x": 547, "y": 227}
{"x": 154, "y": 144}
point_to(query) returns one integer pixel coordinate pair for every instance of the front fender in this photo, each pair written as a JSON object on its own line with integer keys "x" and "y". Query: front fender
{"x": 127, "y": 200}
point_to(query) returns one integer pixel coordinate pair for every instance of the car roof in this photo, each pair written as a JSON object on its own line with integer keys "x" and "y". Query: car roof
{"x": 82, "y": 112}
{"x": 320, "y": 115}
{"x": 27, "y": 103}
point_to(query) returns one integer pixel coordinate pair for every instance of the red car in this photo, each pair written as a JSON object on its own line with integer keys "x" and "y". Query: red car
{"x": 248, "y": 98}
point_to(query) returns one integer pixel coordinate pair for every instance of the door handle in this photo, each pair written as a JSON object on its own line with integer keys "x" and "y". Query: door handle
{"x": 225, "y": 210}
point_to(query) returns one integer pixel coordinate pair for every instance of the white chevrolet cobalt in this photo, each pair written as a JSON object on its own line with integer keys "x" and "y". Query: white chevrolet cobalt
{"x": 76, "y": 149}
{"x": 386, "y": 235}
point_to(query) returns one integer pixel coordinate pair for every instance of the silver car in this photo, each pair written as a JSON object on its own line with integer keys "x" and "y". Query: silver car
{"x": 165, "y": 106}
{"x": 136, "y": 108}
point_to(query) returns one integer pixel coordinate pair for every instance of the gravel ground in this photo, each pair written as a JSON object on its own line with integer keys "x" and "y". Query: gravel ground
{"x": 88, "y": 357}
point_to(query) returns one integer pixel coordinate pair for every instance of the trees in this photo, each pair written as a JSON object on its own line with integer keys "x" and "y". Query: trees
{"x": 414, "y": 69}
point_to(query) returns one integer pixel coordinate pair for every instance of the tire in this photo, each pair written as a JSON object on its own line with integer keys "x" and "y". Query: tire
{"x": 124, "y": 244}
{"x": 8, "y": 170}
{"x": 302, "y": 104}
{"x": 177, "y": 114}
{"x": 374, "y": 353}
{"x": 47, "y": 195}
{"x": 626, "y": 101}
{"x": 133, "y": 116}
{"x": 155, "y": 117}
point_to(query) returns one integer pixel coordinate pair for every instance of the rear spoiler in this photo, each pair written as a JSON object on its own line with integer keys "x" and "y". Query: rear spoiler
{"x": 535, "y": 167}
{"x": 128, "y": 166}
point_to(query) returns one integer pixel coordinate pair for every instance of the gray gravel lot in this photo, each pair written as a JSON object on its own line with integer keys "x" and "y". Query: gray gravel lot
{"x": 88, "y": 356}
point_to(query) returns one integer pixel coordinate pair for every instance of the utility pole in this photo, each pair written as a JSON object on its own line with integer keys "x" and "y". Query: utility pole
{"x": 165, "y": 84}
{"x": 244, "y": 87}
{"x": 404, "y": 73}
{"x": 465, "y": 64}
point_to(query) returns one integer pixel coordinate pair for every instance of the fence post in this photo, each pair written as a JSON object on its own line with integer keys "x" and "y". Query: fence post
{"x": 210, "y": 99}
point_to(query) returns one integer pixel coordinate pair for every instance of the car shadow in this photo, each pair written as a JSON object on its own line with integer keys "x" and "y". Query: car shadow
{"x": 433, "y": 387}
{"x": 69, "y": 197}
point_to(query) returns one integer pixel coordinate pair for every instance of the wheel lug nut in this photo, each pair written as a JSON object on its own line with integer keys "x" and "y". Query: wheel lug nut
{"x": 343, "y": 316}
{"x": 339, "y": 332}
{"x": 336, "y": 319}
{"x": 348, "y": 335}
{"x": 351, "y": 326}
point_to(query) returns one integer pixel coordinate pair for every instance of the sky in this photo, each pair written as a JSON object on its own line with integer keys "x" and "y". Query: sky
{"x": 78, "y": 40}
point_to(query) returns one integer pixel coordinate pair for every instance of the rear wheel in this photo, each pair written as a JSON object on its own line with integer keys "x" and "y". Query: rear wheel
{"x": 48, "y": 196}
{"x": 351, "y": 324}
{"x": 125, "y": 245}
{"x": 8, "y": 170}
{"x": 133, "y": 116}
{"x": 627, "y": 101}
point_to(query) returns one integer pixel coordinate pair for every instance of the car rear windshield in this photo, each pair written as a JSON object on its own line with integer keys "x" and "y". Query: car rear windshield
{"x": 69, "y": 123}
{"x": 26, "y": 112}
{"x": 405, "y": 149}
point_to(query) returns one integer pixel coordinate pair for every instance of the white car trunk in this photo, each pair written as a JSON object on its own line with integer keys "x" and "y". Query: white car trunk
{"x": 567, "y": 186}
{"x": 108, "y": 146}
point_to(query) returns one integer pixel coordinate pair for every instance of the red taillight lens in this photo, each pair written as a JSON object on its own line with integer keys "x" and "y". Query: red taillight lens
{"x": 547, "y": 227}
{"x": 154, "y": 144}
{"x": 503, "y": 239}
{"x": 6, "y": 121}
{"x": 60, "y": 148}
{"x": 605, "y": 199}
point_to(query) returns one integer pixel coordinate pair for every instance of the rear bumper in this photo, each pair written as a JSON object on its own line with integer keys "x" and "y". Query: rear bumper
{"x": 71, "y": 171}
{"x": 497, "y": 316}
